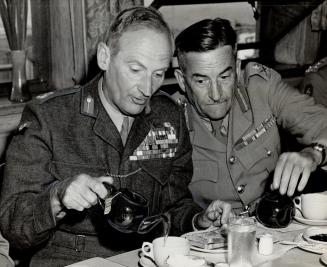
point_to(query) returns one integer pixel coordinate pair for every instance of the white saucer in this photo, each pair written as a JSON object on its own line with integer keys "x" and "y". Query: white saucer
{"x": 323, "y": 258}
{"x": 311, "y": 231}
{"x": 298, "y": 217}
{"x": 314, "y": 248}
{"x": 146, "y": 262}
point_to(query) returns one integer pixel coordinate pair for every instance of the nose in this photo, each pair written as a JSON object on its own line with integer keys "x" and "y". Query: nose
{"x": 215, "y": 91}
{"x": 146, "y": 86}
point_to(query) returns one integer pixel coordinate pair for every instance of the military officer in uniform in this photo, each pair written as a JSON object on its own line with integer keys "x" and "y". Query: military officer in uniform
{"x": 73, "y": 144}
{"x": 315, "y": 82}
{"x": 234, "y": 117}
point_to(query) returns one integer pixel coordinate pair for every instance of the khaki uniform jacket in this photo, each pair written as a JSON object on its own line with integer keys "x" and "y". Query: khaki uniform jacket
{"x": 67, "y": 133}
{"x": 262, "y": 99}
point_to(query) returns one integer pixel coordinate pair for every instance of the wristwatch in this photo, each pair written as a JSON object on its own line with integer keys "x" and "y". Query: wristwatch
{"x": 322, "y": 149}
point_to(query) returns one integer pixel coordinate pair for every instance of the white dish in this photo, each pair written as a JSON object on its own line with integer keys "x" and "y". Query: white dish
{"x": 312, "y": 231}
{"x": 314, "y": 248}
{"x": 146, "y": 262}
{"x": 324, "y": 258}
{"x": 298, "y": 217}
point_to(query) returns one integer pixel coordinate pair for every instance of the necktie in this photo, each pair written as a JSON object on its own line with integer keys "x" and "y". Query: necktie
{"x": 217, "y": 131}
{"x": 124, "y": 130}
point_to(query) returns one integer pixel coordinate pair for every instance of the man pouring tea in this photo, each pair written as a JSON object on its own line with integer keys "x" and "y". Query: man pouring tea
{"x": 71, "y": 144}
{"x": 234, "y": 120}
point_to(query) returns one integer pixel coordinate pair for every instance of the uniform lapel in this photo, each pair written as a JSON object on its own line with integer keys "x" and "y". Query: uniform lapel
{"x": 200, "y": 135}
{"x": 106, "y": 130}
{"x": 91, "y": 106}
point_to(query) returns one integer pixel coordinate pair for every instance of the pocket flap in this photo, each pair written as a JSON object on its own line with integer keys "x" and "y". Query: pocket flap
{"x": 159, "y": 169}
{"x": 205, "y": 170}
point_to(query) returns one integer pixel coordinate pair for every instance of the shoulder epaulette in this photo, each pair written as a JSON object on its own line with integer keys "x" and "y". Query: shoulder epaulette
{"x": 52, "y": 94}
{"x": 318, "y": 65}
{"x": 256, "y": 69}
{"x": 177, "y": 97}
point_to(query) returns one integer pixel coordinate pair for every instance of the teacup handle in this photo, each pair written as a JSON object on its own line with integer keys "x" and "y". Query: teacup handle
{"x": 147, "y": 249}
{"x": 297, "y": 203}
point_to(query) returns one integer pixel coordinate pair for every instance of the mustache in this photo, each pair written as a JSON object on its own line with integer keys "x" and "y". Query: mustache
{"x": 219, "y": 101}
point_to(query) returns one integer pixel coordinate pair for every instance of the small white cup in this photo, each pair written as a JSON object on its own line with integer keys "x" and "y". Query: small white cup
{"x": 312, "y": 206}
{"x": 160, "y": 251}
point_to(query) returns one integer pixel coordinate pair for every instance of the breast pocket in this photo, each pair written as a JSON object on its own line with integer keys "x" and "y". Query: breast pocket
{"x": 159, "y": 169}
{"x": 205, "y": 171}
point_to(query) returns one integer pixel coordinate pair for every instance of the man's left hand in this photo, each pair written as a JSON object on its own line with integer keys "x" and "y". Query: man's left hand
{"x": 293, "y": 170}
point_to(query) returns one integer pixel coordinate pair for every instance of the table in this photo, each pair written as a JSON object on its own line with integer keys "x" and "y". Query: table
{"x": 295, "y": 257}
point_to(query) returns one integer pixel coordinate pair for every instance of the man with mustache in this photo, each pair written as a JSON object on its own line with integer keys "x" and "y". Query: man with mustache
{"x": 233, "y": 120}
{"x": 112, "y": 131}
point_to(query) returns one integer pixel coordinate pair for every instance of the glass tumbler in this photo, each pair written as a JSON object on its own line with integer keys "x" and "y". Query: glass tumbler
{"x": 241, "y": 241}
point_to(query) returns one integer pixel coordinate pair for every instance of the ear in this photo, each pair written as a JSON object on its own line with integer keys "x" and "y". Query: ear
{"x": 180, "y": 79}
{"x": 103, "y": 56}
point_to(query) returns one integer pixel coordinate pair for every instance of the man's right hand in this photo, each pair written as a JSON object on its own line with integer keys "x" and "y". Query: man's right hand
{"x": 216, "y": 214}
{"x": 82, "y": 191}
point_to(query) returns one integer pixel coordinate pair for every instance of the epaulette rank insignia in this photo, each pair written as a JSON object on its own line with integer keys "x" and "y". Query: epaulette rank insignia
{"x": 160, "y": 142}
{"x": 88, "y": 105}
{"x": 44, "y": 96}
{"x": 315, "y": 67}
{"x": 261, "y": 68}
{"x": 52, "y": 94}
{"x": 23, "y": 126}
{"x": 255, "y": 133}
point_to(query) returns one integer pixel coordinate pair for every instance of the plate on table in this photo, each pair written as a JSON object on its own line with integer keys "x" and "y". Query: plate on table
{"x": 316, "y": 235}
{"x": 310, "y": 247}
{"x": 212, "y": 240}
{"x": 324, "y": 258}
{"x": 298, "y": 217}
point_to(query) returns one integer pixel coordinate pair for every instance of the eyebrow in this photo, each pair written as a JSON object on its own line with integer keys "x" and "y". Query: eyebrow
{"x": 144, "y": 67}
{"x": 199, "y": 75}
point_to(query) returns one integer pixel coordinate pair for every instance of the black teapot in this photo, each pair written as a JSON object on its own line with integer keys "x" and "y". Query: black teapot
{"x": 128, "y": 211}
{"x": 275, "y": 210}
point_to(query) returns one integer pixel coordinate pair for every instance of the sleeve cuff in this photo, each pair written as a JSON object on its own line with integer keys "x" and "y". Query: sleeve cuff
{"x": 43, "y": 216}
{"x": 195, "y": 226}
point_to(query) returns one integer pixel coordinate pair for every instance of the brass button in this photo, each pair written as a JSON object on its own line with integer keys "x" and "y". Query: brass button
{"x": 232, "y": 160}
{"x": 240, "y": 189}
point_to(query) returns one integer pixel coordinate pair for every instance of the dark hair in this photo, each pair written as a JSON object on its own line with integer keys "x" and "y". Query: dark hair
{"x": 136, "y": 18}
{"x": 205, "y": 35}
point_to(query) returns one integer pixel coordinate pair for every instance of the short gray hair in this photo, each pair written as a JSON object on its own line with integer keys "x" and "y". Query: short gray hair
{"x": 136, "y": 18}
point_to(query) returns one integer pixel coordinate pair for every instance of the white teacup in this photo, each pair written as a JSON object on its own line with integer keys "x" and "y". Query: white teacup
{"x": 312, "y": 206}
{"x": 160, "y": 251}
